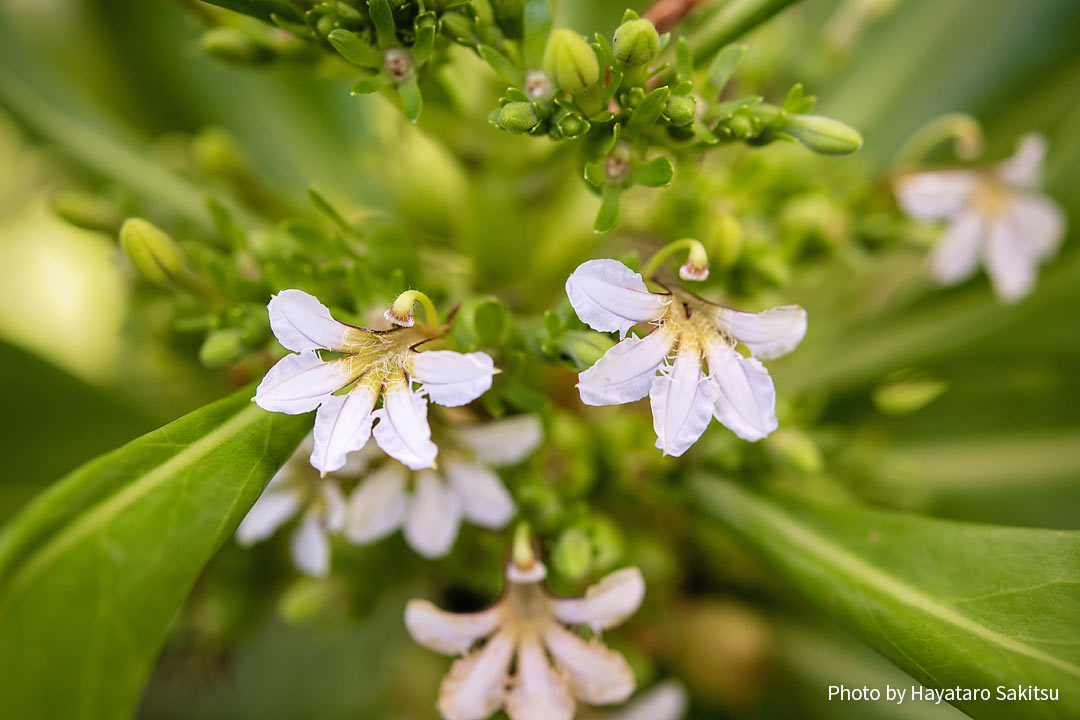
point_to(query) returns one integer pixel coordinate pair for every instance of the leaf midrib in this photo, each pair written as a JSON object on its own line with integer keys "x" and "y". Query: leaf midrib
{"x": 845, "y": 561}
{"x": 107, "y": 509}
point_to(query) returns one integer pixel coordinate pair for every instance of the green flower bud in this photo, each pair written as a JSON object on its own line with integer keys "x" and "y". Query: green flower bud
{"x": 152, "y": 252}
{"x": 795, "y": 450}
{"x": 680, "y": 110}
{"x": 572, "y": 555}
{"x": 232, "y": 45}
{"x": 636, "y": 42}
{"x": 570, "y": 62}
{"x": 824, "y": 135}
{"x": 571, "y": 125}
{"x": 87, "y": 211}
{"x": 518, "y": 117}
{"x": 222, "y": 347}
{"x": 215, "y": 152}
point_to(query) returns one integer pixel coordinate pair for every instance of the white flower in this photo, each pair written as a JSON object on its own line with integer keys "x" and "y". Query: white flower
{"x": 526, "y": 629}
{"x": 369, "y": 364}
{"x": 666, "y": 701}
{"x": 609, "y": 297}
{"x": 994, "y": 216}
{"x": 289, "y": 492}
{"x": 463, "y": 487}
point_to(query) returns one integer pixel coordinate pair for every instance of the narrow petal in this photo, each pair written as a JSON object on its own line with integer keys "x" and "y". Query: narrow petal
{"x": 957, "y": 252}
{"x": 607, "y": 603}
{"x": 1041, "y": 222}
{"x": 935, "y": 195}
{"x": 1025, "y": 168}
{"x": 334, "y": 506}
{"x": 1010, "y": 263}
{"x": 666, "y": 701}
{"x": 682, "y": 403}
{"x": 502, "y": 442}
{"x": 342, "y": 426}
{"x": 452, "y": 378}
{"x": 625, "y": 372}
{"x": 540, "y": 693}
{"x": 598, "y": 675}
{"x": 376, "y": 507}
{"x": 769, "y": 334}
{"x": 433, "y": 517}
{"x": 475, "y": 687}
{"x": 403, "y": 432}
{"x": 298, "y": 383}
{"x": 484, "y": 499}
{"x": 609, "y": 297}
{"x": 311, "y": 547}
{"x": 273, "y": 508}
{"x": 445, "y": 632}
{"x": 746, "y": 398}
{"x": 300, "y": 322}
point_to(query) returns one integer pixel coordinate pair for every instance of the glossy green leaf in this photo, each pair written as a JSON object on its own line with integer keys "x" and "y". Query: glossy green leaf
{"x": 723, "y": 65}
{"x": 382, "y": 17}
{"x": 658, "y": 172}
{"x": 953, "y": 604}
{"x": 412, "y": 101}
{"x": 500, "y": 64}
{"x": 354, "y": 49}
{"x": 608, "y": 214}
{"x": 93, "y": 571}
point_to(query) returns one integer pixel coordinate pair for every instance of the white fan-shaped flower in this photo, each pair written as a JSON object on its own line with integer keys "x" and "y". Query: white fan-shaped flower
{"x": 369, "y": 364}
{"x": 994, "y": 216}
{"x": 526, "y": 629}
{"x": 667, "y": 363}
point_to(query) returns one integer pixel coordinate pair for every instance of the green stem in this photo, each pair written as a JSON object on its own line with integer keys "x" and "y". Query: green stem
{"x": 963, "y": 129}
{"x": 402, "y": 307}
{"x": 698, "y": 256}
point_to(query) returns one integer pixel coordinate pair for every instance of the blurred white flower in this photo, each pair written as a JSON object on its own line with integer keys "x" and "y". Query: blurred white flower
{"x": 526, "y": 629}
{"x": 463, "y": 487}
{"x": 369, "y": 364}
{"x": 609, "y": 297}
{"x": 290, "y": 492}
{"x": 995, "y": 216}
{"x": 666, "y": 701}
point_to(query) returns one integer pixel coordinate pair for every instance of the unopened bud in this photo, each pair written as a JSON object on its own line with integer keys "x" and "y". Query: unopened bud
{"x": 636, "y": 42}
{"x": 232, "y": 45}
{"x": 824, "y": 135}
{"x": 216, "y": 153}
{"x": 152, "y": 252}
{"x": 518, "y": 117}
{"x": 222, "y": 347}
{"x": 87, "y": 211}
{"x": 680, "y": 110}
{"x": 796, "y": 450}
{"x": 572, "y": 555}
{"x": 570, "y": 62}
{"x": 571, "y": 125}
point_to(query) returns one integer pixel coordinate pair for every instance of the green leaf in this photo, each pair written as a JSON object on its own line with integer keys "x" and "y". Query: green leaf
{"x": 953, "y": 604}
{"x": 262, "y": 9}
{"x": 537, "y": 22}
{"x": 425, "y": 39}
{"x": 491, "y": 321}
{"x": 608, "y": 214}
{"x": 382, "y": 17}
{"x": 684, "y": 64}
{"x": 373, "y": 84}
{"x": 658, "y": 172}
{"x": 647, "y": 113}
{"x": 325, "y": 207}
{"x": 412, "y": 101}
{"x": 797, "y": 101}
{"x": 500, "y": 64}
{"x": 723, "y": 65}
{"x": 94, "y": 570}
{"x": 351, "y": 47}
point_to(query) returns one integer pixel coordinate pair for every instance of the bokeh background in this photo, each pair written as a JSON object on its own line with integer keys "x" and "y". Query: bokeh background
{"x": 93, "y": 89}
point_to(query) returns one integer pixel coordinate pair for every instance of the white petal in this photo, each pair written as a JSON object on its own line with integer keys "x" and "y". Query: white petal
{"x": 403, "y": 431}
{"x": 607, "y": 603}
{"x": 598, "y": 675}
{"x": 433, "y": 517}
{"x": 377, "y": 505}
{"x": 502, "y": 442}
{"x": 334, "y": 506}
{"x": 342, "y": 426}
{"x": 539, "y": 692}
{"x": 1024, "y": 169}
{"x": 1011, "y": 265}
{"x": 310, "y": 546}
{"x": 300, "y": 322}
{"x": 935, "y": 195}
{"x": 609, "y": 296}
{"x": 270, "y": 511}
{"x": 452, "y": 378}
{"x": 666, "y": 701}
{"x": 475, "y": 687}
{"x": 682, "y": 404}
{"x": 298, "y": 383}
{"x": 445, "y": 632}
{"x": 1041, "y": 222}
{"x": 767, "y": 334}
{"x": 746, "y": 398}
{"x": 484, "y": 499}
{"x": 625, "y": 372}
{"x": 957, "y": 252}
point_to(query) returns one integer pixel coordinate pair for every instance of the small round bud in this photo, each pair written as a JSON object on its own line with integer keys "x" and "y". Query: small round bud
{"x": 741, "y": 126}
{"x": 572, "y": 555}
{"x": 824, "y": 135}
{"x": 216, "y": 153}
{"x": 636, "y": 42}
{"x": 570, "y": 62}
{"x": 571, "y": 125}
{"x": 518, "y": 117}
{"x": 537, "y": 85}
{"x": 151, "y": 251}
{"x": 222, "y": 347}
{"x": 397, "y": 63}
{"x": 680, "y": 110}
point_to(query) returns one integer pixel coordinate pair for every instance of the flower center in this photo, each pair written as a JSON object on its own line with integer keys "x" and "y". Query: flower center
{"x": 692, "y": 322}
{"x": 991, "y": 197}
{"x": 378, "y": 357}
